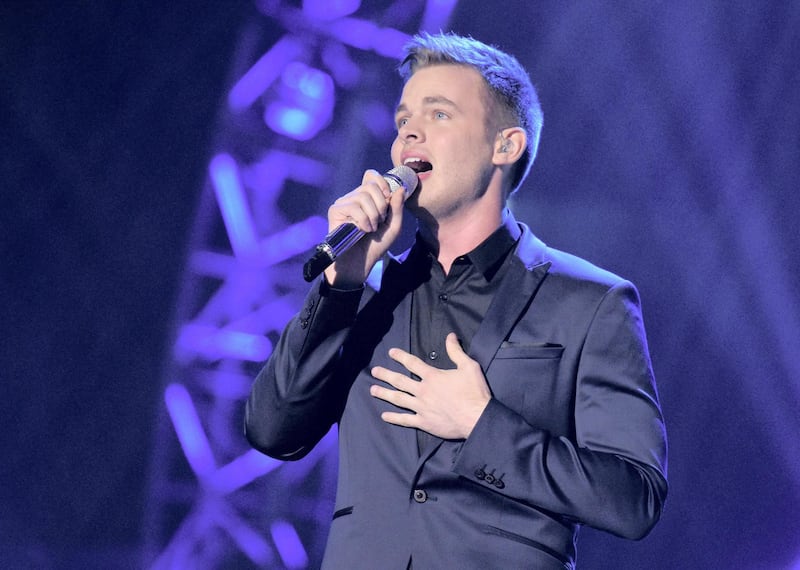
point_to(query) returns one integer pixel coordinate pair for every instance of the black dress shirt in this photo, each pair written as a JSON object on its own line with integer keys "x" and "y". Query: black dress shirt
{"x": 458, "y": 301}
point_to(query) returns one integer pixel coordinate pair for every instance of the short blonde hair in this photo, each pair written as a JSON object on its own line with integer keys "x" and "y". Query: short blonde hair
{"x": 508, "y": 83}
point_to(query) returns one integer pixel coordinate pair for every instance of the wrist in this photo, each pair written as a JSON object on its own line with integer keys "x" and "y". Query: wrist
{"x": 338, "y": 280}
{"x": 476, "y": 416}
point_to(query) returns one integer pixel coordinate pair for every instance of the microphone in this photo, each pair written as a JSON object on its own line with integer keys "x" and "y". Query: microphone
{"x": 345, "y": 236}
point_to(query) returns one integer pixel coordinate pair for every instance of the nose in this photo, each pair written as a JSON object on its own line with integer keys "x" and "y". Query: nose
{"x": 410, "y": 132}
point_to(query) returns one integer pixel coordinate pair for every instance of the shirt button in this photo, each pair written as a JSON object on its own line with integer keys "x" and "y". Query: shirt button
{"x": 433, "y": 355}
{"x": 420, "y": 495}
{"x": 443, "y": 297}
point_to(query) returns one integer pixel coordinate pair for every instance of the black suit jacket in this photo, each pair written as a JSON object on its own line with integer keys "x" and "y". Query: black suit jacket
{"x": 573, "y": 434}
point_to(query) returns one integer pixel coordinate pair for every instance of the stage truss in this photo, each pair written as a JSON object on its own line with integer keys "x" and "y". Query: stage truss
{"x": 310, "y": 104}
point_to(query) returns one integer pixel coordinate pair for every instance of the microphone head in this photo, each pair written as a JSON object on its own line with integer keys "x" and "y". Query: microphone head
{"x": 402, "y": 177}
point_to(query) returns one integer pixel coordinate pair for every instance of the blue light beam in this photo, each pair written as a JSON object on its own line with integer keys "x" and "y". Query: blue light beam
{"x": 233, "y": 206}
{"x": 213, "y": 343}
{"x": 288, "y": 544}
{"x": 306, "y": 103}
{"x": 243, "y": 470}
{"x": 327, "y": 10}
{"x": 437, "y": 15}
{"x": 263, "y": 73}
{"x": 292, "y": 241}
{"x": 190, "y": 432}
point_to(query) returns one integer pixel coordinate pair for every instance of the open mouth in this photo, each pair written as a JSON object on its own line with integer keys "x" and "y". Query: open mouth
{"x": 417, "y": 165}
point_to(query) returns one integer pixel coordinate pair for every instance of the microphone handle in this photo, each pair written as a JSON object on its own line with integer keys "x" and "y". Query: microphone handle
{"x": 337, "y": 242}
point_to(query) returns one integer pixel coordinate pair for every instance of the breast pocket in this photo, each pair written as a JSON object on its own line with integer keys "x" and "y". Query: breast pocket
{"x": 545, "y": 350}
{"x": 525, "y": 378}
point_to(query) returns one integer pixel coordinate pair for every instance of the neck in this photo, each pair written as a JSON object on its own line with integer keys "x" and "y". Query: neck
{"x": 455, "y": 236}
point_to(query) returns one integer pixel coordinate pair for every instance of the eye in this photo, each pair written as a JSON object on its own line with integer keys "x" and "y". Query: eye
{"x": 441, "y": 115}
{"x": 402, "y": 122}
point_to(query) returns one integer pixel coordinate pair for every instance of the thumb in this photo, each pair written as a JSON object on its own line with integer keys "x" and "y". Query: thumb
{"x": 395, "y": 216}
{"x": 455, "y": 351}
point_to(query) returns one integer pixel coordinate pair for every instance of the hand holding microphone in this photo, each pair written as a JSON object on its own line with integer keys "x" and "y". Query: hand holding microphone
{"x": 374, "y": 208}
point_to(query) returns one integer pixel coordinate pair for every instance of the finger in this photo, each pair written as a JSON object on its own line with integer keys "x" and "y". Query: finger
{"x": 394, "y": 379}
{"x": 394, "y": 397}
{"x": 359, "y": 208}
{"x": 366, "y": 206}
{"x": 373, "y": 177}
{"x": 395, "y": 213}
{"x": 400, "y": 419}
{"x": 372, "y": 206}
{"x": 409, "y": 361}
{"x": 455, "y": 351}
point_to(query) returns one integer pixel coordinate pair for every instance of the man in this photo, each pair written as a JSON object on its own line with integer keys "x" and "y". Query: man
{"x": 493, "y": 394}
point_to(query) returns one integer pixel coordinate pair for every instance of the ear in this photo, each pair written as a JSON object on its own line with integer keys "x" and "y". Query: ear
{"x": 509, "y": 146}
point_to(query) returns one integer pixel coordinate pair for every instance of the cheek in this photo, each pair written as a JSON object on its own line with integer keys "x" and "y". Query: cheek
{"x": 397, "y": 149}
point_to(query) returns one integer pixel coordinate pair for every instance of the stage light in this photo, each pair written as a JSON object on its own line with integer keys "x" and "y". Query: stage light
{"x": 305, "y": 104}
{"x": 212, "y": 343}
{"x": 294, "y": 240}
{"x": 263, "y": 73}
{"x": 288, "y": 544}
{"x": 291, "y": 122}
{"x": 233, "y": 205}
{"x": 437, "y": 14}
{"x": 366, "y": 35}
{"x": 190, "y": 431}
{"x": 242, "y": 470}
{"x": 330, "y": 9}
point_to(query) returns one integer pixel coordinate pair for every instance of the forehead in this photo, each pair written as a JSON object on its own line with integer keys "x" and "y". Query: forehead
{"x": 460, "y": 84}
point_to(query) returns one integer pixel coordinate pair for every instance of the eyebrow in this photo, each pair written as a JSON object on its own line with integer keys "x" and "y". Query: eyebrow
{"x": 428, "y": 101}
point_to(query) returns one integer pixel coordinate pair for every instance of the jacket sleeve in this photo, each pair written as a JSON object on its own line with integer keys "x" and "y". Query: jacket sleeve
{"x": 611, "y": 474}
{"x": 296, "y": 397}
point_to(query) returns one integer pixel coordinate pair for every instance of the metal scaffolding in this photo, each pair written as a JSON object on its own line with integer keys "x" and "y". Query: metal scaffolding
{"x": 309, "y": 107}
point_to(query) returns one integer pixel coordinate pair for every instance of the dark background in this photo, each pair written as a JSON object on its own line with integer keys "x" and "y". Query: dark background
{"x": 669, "y": 155}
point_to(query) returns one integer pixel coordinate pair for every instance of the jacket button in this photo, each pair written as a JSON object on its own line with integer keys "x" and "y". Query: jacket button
{"x": 420, "y": 495}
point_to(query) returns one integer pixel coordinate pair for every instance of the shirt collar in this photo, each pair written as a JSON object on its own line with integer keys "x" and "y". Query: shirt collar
{"x": 490, "y": 254}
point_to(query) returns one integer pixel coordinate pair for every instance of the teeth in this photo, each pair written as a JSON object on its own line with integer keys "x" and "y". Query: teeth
{"x": 406, "y": 161}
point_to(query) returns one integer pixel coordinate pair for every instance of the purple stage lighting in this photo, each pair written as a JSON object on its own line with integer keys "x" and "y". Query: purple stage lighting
{"x": 189, "y": 430}
{"x": 233, "y": 204}
{"x": 329, "y": 9}
{"x": 242, "y": 470}
{"x": 306, "y": 103}
{"x": 288, "y": 544}
{"x": 366, "y": 35}
{"x": 213, "y": 343}
{"x": 263, "y": 73}
{"x": 437, "y": 14}
{"x": 294, "y": 240}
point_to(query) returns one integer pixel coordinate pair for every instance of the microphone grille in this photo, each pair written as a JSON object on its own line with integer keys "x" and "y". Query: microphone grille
{"x": 402, "y": 176}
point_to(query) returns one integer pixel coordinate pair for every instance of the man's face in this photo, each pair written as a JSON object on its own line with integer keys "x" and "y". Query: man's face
{"x": 441, "y": 120}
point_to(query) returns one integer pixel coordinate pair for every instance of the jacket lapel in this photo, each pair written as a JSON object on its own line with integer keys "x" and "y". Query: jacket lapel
{"x": 527, "y": 269}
